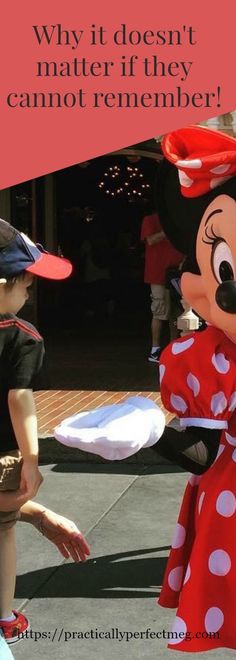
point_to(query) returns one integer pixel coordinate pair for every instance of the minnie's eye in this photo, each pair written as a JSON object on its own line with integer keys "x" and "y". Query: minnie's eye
{"x": 222, "y": 262}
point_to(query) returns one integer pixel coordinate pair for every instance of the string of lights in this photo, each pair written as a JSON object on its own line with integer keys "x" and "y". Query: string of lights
{"x": 128, "y": 183}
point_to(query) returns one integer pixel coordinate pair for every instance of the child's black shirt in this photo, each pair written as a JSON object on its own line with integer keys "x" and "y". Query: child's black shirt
{"x": 21, "y": 360}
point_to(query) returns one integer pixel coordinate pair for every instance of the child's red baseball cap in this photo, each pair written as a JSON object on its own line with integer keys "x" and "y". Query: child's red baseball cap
{"x": 19, "y": 253}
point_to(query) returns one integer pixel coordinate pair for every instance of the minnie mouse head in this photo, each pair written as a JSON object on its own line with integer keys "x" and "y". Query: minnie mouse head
{"x": 198, "y": 214}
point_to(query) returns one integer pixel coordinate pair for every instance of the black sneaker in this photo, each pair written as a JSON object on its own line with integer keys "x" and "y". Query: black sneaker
{"x": 155, "y": 356}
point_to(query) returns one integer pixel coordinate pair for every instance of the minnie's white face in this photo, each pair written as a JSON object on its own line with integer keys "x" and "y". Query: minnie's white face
{"x": 216, "y": 257}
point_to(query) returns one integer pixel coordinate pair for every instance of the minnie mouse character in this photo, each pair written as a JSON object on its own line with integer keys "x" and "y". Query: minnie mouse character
{"x": 198, "y": 383}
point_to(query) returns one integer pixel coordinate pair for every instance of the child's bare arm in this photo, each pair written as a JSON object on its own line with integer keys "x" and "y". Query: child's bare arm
{"x": 24, "y": 421}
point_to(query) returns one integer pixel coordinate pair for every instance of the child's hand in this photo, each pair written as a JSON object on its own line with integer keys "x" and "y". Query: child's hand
{"x": 31, "y": 478}
{"x": 64, "y": 534}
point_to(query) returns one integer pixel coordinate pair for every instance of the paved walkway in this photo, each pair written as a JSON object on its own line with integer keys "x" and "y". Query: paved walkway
{"x": 126, "y": 510}
{"x": 128, "y": 514}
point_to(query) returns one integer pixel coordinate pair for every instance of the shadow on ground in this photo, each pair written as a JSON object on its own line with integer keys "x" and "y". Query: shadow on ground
{"x": 116, "y": 469}
{"x": 69, "y": 459}
{"x": 122, "y": 575}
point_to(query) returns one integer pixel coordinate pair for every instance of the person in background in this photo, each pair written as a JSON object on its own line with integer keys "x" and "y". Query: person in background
{"x": 95, "y": 264}
{"x": 159, "y": 256}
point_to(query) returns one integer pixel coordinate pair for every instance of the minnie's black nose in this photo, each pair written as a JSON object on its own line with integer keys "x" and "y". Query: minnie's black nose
{"x": 226, "y": 296}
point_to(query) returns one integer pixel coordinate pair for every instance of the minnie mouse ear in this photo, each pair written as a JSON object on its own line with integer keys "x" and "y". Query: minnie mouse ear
{"x": 205, "y": 159}
{"x": 178, "y": 216}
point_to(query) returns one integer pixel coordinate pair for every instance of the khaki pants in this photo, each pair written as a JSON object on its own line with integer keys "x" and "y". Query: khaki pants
{"x": 10, "y": 473}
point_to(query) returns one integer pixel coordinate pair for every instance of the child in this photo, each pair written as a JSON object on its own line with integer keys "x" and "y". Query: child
{"x": 21, "y": 357}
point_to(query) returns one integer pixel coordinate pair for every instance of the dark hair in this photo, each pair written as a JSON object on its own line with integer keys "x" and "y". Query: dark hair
{"x": 11, "y": 281}
{"x": 179, "y": 216}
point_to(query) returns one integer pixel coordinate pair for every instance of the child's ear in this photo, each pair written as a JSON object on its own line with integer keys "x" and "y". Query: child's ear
{"x": 2, "y": 287}
{"x": 194, "y": 293}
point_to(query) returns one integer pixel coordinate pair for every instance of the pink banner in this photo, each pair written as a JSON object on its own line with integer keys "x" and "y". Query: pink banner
{"x": 84, "y": 79}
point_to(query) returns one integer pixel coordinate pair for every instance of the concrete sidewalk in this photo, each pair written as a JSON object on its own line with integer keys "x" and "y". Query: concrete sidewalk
{"x": 127, "y": 513}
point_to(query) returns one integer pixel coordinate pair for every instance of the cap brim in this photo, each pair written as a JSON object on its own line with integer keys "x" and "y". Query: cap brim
{"x": 51, "y": 267}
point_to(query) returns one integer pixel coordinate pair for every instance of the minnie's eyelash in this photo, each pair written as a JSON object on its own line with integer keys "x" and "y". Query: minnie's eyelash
{"x": 212, "y": 238}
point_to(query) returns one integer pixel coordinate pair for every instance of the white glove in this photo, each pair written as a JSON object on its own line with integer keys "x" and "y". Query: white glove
{"x": 116, "y": 431}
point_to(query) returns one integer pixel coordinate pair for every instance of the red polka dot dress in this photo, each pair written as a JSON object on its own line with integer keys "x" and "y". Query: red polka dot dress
{"x": 198, "y": 382}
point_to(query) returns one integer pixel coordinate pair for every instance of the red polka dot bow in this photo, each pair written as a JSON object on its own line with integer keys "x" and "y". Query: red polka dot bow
{"x": 204, "y": 158}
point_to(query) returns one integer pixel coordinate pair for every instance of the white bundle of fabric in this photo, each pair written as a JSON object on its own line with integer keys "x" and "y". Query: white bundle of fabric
{"x": 116, "y": 431}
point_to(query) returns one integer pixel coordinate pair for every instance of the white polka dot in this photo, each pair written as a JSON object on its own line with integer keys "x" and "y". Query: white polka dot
{"x": 181, "y": 346}
{"x": 175, "y": 578}
{"x": 214, "y": 619}
{"x": 187, "y": 574}
{"x": 220, "y": 450}
{"x": 219, "y": 563}
{"x": 218, "y": 403}
{"x": 230, "y": 439}
{"x": 179, "y": 627}
{"x": 185, "y": 180}
{"x": 220, "y": 363}
{"x": 178, "y": 403}
{"x": 232, "y": 402}
{"x": 195, "y": 163}
{"x": 161, "y": 372}
{"x": 234, "y": 455}
{"x": 179, "y": 536}
{"x": 226, "y": 503}
{"x": 194, "y": 480}
{"x": 217, "y": 182}
{"x": 200, "y": 501}
{"x": 193, "y": 384}
{"x": 220, "y": 169}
